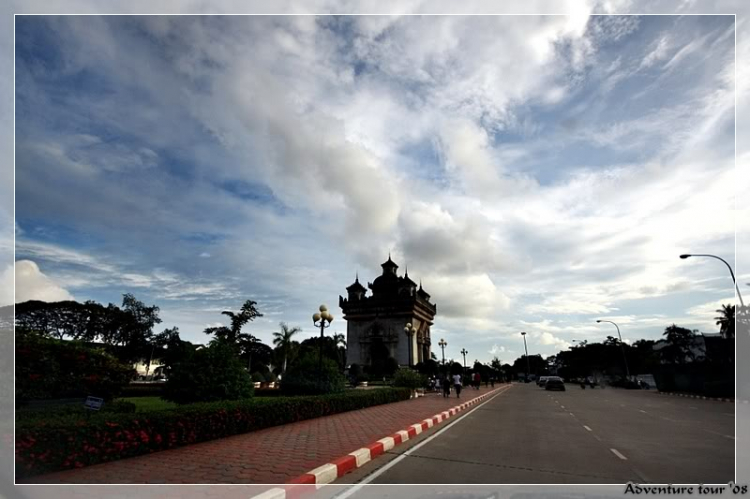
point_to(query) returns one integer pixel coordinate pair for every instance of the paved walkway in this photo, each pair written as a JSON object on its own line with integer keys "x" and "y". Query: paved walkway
{"x": 274, "y": 455}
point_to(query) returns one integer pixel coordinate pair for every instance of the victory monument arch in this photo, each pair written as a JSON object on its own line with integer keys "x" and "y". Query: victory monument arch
{"x": 375, "y": 324}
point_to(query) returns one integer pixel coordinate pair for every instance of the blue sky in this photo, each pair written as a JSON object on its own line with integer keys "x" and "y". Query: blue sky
{"x": 536, "y": 173}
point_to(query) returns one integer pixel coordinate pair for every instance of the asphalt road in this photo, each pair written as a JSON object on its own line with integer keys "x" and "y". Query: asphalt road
{"x": 597, "y": 436}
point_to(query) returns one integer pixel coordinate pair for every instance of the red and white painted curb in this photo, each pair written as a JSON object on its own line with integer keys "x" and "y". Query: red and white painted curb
{"x": 329, "y": 472}
{"x": 687, "y": 395}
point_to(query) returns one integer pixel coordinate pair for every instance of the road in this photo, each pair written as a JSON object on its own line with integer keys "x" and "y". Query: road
{"x": 597, "y": 436}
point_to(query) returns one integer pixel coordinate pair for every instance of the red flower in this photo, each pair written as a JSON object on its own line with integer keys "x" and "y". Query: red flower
{"x": 111, "y": 425}
{"x": 144, "y": 437}
{"x": 157, "y": 438}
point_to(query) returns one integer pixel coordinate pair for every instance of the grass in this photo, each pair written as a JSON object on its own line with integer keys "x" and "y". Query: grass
{"x": 146, "y": 404}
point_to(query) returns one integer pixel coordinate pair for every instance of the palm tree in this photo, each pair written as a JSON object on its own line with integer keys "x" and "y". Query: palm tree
{"x": 283, "y": 339}
{"x": 726, "y": 321}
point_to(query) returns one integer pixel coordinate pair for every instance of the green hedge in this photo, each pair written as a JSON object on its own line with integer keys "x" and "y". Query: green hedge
{"x": 72, "y": 441}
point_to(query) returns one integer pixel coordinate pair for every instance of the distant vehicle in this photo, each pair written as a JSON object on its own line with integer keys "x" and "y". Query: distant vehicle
{"x": 542, "y": 380}
{"x": 554, "y": 383}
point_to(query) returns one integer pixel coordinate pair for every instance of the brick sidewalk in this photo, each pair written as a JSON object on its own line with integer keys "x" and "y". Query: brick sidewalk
{"x": 273, "y": 455}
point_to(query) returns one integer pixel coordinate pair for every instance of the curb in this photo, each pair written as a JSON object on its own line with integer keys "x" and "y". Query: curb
{"x": 685, "y": 395}
{"x": 337, "y": 468}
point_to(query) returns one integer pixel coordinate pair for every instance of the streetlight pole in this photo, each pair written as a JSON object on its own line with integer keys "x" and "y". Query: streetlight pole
{"x": 731, "y": 272}
{"x": 320, "y": 319}
{"x": 443, "y": 344}
{"x": 409, "y": 329}
{"x": 622, "y": 347}
{"x": 464, "y": 352}
{"x": 528, "y": 366}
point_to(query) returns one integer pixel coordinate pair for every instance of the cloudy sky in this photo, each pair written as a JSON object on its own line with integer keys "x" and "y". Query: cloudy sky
{"x": 536, "y": 173}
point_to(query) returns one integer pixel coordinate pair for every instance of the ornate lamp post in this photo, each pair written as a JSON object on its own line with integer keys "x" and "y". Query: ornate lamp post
{"x": 464, "y": 352}
{"x": 443, "y": 344}
{"x": 528, "y": 366}
{"x": 409, "y": 329}
{"x": 731, "y": 272}
{"x": 622, "y": 347}
{"x": 320, "y": 319}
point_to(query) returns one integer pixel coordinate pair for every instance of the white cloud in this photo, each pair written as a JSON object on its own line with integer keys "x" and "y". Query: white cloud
{"x": 33, "y": 284}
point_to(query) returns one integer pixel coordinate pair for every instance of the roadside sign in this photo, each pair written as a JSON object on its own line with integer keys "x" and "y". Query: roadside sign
{"x": 93, "y": 403}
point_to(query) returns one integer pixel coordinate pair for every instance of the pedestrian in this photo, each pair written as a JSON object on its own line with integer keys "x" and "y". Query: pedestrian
{"x": 492, "y": 382}
{"x": 457, "y": 384}
{"x": 446, "y": 387}
{"x": 477, "y": 380}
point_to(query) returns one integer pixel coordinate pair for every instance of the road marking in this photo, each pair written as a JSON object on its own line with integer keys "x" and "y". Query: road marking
{"x": 728, "y": 436}
{"x": 589, "y": 429}
{"x": 403, "y": 456}
{"x": 693, "y": 407}
{"x": 727, "y": 414}
{"x": 597, "y": 437}
{"x": 617, "y": 453}
{"x": 562, "y": 407}
{"x": 644, "y": 412}
{"x": 622, "y": 405}
{"x": 572, "y": 414}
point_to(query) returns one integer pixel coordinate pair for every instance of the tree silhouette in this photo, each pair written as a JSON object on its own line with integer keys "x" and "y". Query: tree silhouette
{"x": 283, "y": 340}
{"x": 726, "y": 321}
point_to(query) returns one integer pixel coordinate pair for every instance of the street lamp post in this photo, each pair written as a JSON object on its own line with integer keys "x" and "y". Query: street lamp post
{"x": 409, "y": 329}
{"x": 443, "y": 344}
{"x": 731, "y": 272}
{"x": 622, "y": 347}
{"x": 322, "y": 320}
{"x": 528, "y": 366}
{"x": 464, "y": 352}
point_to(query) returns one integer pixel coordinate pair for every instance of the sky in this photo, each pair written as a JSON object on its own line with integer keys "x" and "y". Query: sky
{"x": 536, "y": 173}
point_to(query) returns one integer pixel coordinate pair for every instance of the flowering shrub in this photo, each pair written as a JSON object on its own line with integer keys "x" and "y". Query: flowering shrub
{"x": 75, "y": 440}
{"x": 48, "y": 369}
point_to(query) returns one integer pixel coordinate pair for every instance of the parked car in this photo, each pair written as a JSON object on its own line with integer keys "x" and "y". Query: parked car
{"x": 554, "y": 383}
{"x": 542, "y": 380}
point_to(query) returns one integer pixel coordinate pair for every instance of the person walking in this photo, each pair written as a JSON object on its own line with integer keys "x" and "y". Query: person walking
{"x": 457, "y": 384}
{"x": 446, "y": 387}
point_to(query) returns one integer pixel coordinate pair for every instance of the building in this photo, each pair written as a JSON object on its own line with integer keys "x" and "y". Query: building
{"x": 375, "y": 324}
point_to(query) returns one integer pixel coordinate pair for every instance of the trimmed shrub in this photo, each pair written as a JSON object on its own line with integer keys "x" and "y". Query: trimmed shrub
{"x": 72, "y": 441}
{"x": 258, "y": 377}
{"x": 303, "y": 378}
{"x": 55, "y": 369}
{"x": 409, "y": 379}
{"x": 210, "y": 374}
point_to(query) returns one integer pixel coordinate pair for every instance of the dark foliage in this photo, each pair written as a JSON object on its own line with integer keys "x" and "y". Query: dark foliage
{"x": 305, "y": 378}
{"x": 209, "y": 374}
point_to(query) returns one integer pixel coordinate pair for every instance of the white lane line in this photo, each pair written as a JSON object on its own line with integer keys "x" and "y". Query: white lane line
{"x": 644, "y": 412}
{"x": 727, "y": 414}
{"x": 589, "y": 429}
{"x": 572, "y": 414}
{"x": 617, "y": 453}
{"x": 403, "y": 456}
{"x": 728, "y": 436}
{"x": 562, "y": 407}
{"x": 597, "y": 437}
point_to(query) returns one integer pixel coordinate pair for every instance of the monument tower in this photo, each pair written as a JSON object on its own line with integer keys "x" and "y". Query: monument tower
{"x": 375, "y": 324}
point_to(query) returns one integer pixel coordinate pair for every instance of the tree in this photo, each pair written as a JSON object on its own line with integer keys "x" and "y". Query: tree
{"x": 283, "y": 340}
{"x": 233, "y": 334}
{"x": 680, "y": 342}
{"x": 209, "y": 374}
{"x": 726, "y": 321}
{"x": 171, "y": 349}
